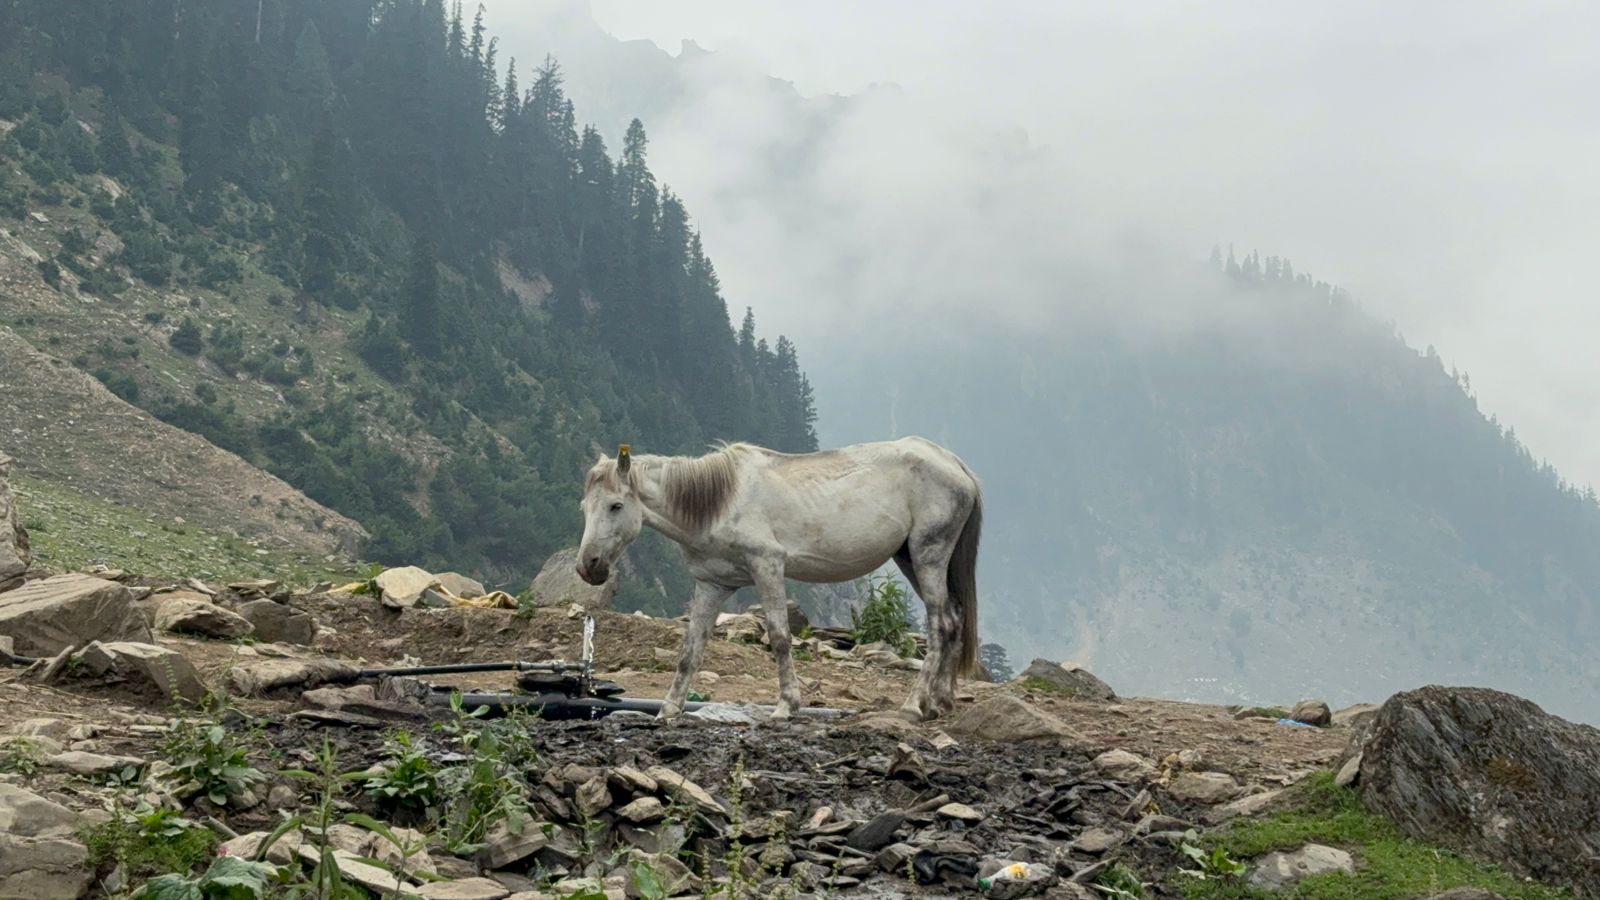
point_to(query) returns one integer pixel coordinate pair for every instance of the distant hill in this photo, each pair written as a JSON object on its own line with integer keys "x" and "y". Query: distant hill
{"x": 347, "y": 243}
{"x": 1292, "y": 502}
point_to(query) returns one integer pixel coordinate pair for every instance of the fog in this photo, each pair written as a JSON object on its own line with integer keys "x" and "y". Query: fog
{"x": 1005, "y": 160}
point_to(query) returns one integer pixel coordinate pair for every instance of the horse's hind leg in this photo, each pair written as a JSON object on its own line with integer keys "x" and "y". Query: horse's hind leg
{"x": 769, "y": 583}
{"x": 703, "y": 609}
{"x": 934, "y": 693}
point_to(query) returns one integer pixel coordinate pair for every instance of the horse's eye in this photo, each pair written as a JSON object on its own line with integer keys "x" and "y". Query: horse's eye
{"x": 616, "y": 507}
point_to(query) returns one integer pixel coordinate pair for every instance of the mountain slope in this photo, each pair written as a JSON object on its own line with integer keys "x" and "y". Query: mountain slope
{"x": 1288, "y": 501}
{"x": 339, "y": 240}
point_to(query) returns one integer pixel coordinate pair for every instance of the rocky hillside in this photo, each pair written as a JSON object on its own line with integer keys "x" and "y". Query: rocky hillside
{"x": 168, "y": 737}
{"x": 346, "y": 245}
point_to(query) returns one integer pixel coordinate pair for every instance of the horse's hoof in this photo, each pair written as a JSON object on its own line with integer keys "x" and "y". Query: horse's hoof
{"x": 668, "y": 713}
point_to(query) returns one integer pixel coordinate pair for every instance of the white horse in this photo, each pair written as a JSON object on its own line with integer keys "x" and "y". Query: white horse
{"x": 746, "y": 515}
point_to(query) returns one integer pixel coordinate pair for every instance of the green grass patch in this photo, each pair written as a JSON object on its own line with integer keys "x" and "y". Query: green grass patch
{"x": 1270, "y": 712}
{"x": 150, "y": 842}
{"x": 1035, "y": 683}
{"x": 1390, "y": 865}
{"x": 70, "y": 531}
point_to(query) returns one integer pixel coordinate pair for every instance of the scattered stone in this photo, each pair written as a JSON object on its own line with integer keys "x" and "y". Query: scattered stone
{"x": 798, "y": 622}
{"x": 1007, "y": 879}
{"x": 1123, "y": 766}
{"x": 628, "y": 779}
{"x": 643, "y": 810}
{"x": 942, "y": 741}
{"x": 558, "y": 584}
{"x": 502, "y": 848}
{"x": 262, "y": 586}
{"x": 674, "y": 877}
{"x": 247, "y": 846}
{"x": 1277, "y": 871}
{"x": 262, "y": 677}
{"x": 382, "y": 882}
{"x": 14, "y": 555}
{"x": 199, "y": 587}
{"x": 276, "y": 622}
{"x": 1311, "y": 712}
{"x": 1096, "y": 841}
{"x": 880, "y": 654}
{"x": 45, "y": 617}
{"x": 1070, "y": 680}
{"x": 465, "y": 889}
{"x": 960, "y": 812}
{"x": 1350, "y": 772}
{"x": 684, "y": 789}
{"x": 402, "y": 587}
{"x": 1209, "y": 788}
{"x": 742, "y": 628}
{"x": 876, "y": 833}
{"x": 1489, "y": 774}
{"x": 593, "y": 797}
{"x": 1003, "y": 717}
{"x": 39, "y": 854}
{"x": 1247, "y": 807}
{"x": 166, "y": 672}
{"x": 186, "y": 613}
{"x": 359, "y": 705}
{"x": 663, "y": 655}
{"x": 92, "y": 765}
{"x": 460, "y": 585}
{"x": 895, "y": 857}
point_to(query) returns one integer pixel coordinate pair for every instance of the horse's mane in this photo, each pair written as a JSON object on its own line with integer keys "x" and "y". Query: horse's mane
{"x": 697, "y": 489}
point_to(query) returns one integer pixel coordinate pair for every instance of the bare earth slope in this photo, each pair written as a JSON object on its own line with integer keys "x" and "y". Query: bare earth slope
{"x": 64, "y": 426}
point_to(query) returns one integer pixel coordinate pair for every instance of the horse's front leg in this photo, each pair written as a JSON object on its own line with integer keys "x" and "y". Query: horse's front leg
{"x": 703, "y": 608}
{"x": 769, "y": 582}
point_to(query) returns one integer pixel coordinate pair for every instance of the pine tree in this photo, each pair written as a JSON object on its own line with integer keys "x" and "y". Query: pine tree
{"x": 116, "y": 153}
{"x": 419, "y": 301}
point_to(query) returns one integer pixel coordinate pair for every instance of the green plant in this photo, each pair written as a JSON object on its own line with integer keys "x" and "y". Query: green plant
{"x": 481, "y": 793}
{"x": 20, "y": 754}
{"x": 1034, "y": 683}
{"x": 527, "y": 604}
{"x": 227, "y": 878}
{"x": 207, "y": 762}
{"x": 885, "y": 617}
{"x": 1120, "y": 882}
{"x": 149, "y": 841}
{"x": 325, "y": 879}
{"x": 1215, "y": 863}
{"x": 369, "y": 582}
{"x": 410, "y": 779}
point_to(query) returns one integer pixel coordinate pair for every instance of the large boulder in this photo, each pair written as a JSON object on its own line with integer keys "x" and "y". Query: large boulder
{"x": 13, "y": 537}
{"x": 189, "y": 613}
{"x": 1069, "y": 679}
{"x": 999, "y": 716}
{"x": 460, "y": 585}
{"x": 402, "y": 587}
{"x": 40, "y": 858}
{"x": 46, "y": 617}
{"x": 276, "y": 622}
{"x": 1489, "y": 774}
{"x": 558, "y": 584}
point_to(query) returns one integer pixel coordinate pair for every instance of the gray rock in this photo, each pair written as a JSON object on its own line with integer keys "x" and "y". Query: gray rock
{"x": 895, "y": 858}
{"x": 267, "y": 675}
{"x": 1098, "y": 840}
{"x": 558, "y": 584}
{"x": 277, "y": 623}
{"x": 402, "y": 587}
{"x": 1311, "y": 712}
{"x": 1204, "y": 787}
{"x": 380, "y": 881}
{"x": 48, "y": 616}
{"x": 1355, "y": 715}
{"x": 461, "y": 585}
{"x": 643, "y": 810}
{"x": 502, "y": 848}
{"x": 281, "y": 852}
{"x": 39, "y": 856}
{"x": 14, "y": 556}
{"x": 1007, "y": 879}
{"x": 360, "y": 705}
{"x": 166, "y": 672}
{"x": 91, "y": 765}
{"x": 593, "y": 797}
{"x": 185, "y": 613}
{"x": 1491, "y": 775}
{"x": 1247, "y": 807}
{"x": 684, "y": 789}
{"x": 464, "y": 889}
{"x": 1074, "y": 681}
{"x": 960, "y": 812}
{"x": 876, "y": 833}
{"x": 1350, "y": 772}
{"x": 1122, "y": 765}
{"x": 999, "y": 716}
{"x": 1276, "y": 871}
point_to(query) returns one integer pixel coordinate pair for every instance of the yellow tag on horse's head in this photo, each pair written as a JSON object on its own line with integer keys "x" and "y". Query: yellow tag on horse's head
{"x": 622, "y": 458}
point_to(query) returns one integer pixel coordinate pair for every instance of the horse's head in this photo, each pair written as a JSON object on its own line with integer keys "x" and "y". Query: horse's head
{"x": 612, "y": 515}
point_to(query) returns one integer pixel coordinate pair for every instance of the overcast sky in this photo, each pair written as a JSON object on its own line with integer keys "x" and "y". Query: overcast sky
{"x": 1439, "y": 160}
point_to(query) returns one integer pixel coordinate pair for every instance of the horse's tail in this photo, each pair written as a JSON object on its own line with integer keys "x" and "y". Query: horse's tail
{"x": 963, "y": 580}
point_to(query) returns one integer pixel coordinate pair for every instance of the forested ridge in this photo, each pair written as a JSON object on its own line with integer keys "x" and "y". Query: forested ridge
{"x": 457, "y": 292}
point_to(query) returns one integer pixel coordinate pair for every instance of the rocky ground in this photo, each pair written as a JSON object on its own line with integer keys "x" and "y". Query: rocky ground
{"x": 173, "y": 738}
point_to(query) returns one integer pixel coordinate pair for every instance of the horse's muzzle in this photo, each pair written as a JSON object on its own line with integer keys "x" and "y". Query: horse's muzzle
{"x": 594, "y": 574}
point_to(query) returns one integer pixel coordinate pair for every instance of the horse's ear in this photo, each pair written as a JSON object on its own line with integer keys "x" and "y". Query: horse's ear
{"x": 623, "y": 459}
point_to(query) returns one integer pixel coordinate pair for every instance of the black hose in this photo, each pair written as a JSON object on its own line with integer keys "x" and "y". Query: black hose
{"x": 560, "y": 706}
